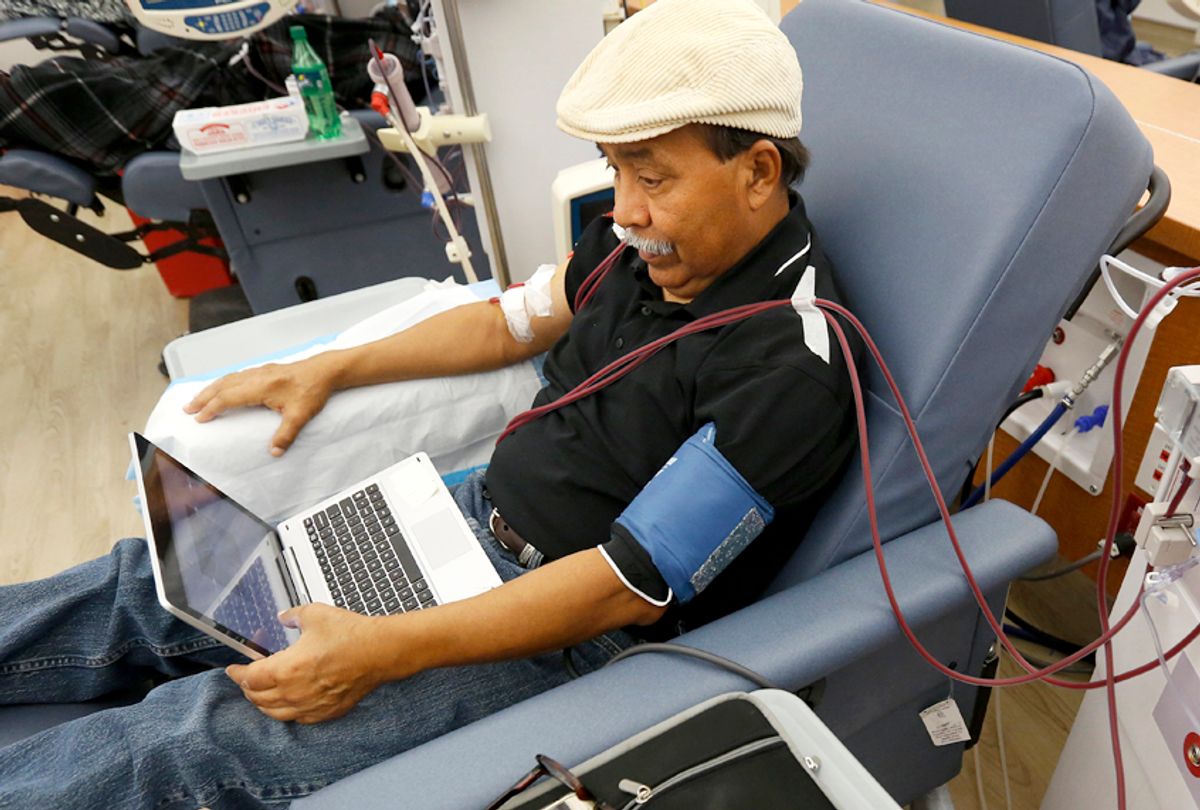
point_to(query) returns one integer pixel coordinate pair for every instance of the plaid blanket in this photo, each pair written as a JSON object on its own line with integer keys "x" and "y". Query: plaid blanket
{"x": 102, "y": 114}
{"x": 98, "y": 10}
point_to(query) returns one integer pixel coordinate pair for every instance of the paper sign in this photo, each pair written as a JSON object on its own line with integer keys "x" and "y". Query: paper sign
{"x": 945, "y": 724}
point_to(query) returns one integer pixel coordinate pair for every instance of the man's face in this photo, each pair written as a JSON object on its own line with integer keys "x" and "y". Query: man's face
{"x": 690, "y": 215}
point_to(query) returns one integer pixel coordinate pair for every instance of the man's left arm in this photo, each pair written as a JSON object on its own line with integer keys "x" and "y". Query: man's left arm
{"x": 342, "y": 656}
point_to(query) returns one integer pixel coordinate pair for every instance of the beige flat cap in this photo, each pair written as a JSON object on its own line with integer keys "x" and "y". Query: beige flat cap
{"x": 685, "y": 62}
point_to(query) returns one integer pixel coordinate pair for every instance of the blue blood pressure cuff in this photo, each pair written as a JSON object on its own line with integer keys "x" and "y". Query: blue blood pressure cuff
{"x": 687, "y": 524}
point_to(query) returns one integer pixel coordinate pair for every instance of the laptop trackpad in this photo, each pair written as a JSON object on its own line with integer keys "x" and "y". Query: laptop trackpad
{"x": 441, "y": 538}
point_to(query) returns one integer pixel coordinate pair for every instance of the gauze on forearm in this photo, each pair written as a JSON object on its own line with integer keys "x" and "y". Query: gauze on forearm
{"x": 521, "y": 303}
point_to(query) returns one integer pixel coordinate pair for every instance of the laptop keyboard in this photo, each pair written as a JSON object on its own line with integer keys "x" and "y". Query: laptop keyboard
{"x": 365, "y": 558}
{"x": 249, "y": 610}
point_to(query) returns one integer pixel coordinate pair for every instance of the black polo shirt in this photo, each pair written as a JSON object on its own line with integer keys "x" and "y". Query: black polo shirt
{"x": 784, "y": 417}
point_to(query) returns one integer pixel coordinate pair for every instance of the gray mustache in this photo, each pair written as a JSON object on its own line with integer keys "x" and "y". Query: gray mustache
{"x": 655, "y": 247}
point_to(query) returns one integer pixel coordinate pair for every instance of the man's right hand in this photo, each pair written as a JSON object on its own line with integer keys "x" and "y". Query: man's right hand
{"x": 297, "y": 391}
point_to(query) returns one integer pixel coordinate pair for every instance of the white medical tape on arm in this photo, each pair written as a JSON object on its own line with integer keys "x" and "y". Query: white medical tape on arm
{"x": 532, "y": 299}
{"x": 816, "y": 331}
{"x": 512, "y": 302}
{"x": 539, "y": 293}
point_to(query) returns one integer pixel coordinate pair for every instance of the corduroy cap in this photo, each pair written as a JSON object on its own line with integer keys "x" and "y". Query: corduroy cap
{"x": 682, "y": 62}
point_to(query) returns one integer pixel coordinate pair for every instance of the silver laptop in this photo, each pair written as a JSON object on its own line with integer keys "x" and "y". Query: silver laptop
{"x": 394, "y": 543}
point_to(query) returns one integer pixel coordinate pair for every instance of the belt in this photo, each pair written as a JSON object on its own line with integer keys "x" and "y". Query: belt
{"x": 525, "y": 553}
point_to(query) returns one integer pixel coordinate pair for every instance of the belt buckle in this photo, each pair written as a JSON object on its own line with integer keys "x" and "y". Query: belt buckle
{"x": 504, "y": 533}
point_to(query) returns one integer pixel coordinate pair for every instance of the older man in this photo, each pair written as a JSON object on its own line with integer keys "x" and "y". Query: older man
{"x": 696, "y": 105}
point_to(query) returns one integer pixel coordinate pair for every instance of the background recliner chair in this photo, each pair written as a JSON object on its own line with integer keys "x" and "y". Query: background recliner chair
{"x": 1069, "y": 23}
{"x": 964, "y": 189}
{"x": 285, "y": 231}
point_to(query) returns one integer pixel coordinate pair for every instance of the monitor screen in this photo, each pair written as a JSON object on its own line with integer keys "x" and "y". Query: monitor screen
{"x": 586, "y": 208}
{"x": 220, "y": 563}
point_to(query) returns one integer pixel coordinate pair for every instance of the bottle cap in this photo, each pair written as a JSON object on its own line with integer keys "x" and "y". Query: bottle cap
{"x": 298, "y": 33}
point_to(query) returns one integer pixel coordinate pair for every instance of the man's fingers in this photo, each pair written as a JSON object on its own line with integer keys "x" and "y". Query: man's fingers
{"x": 285, "y": 714}
{"x": 289, "y": 428}
{"x": 257, "y": 677}
{"x": 293, "y": 616}
{"x": 200, "y": 400}
{"x": 270, "y": 699}
{"x": 231, "y": 397}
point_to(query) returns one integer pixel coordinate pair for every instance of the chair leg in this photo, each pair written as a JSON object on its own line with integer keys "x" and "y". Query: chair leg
{"x": 936, "y": 799}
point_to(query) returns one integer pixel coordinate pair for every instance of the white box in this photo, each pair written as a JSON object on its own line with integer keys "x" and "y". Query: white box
{"x": 222, "y": 129}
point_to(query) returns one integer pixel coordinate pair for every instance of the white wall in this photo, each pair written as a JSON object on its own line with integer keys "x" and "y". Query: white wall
{"x": 520, "y": 53}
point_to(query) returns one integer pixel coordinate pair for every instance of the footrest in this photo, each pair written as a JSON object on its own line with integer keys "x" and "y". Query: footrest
{"x": 65, "y": 229}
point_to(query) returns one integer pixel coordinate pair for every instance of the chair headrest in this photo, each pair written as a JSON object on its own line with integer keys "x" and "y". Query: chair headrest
{"x": 964, "y": 188}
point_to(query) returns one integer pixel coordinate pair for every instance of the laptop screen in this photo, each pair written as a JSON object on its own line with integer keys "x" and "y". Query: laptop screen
{"x": 220, "y": 564}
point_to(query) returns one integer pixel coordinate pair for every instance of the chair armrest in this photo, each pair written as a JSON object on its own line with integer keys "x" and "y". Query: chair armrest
{"x": 233, "y": 345}
{"x": 93, "y": 32}
{"x": 44, "y": 173}
{"x": 26, "y": 27}
{"x": 793, "y": 637}
{"x": 360, "y": 431}
{"x": 369, "y": 119}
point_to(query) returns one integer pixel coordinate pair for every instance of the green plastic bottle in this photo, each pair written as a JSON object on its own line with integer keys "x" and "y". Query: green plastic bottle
{"x": 315, "y": 89}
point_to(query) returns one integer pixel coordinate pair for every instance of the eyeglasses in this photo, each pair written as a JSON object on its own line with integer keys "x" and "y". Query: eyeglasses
{"x": 556, "y": 770}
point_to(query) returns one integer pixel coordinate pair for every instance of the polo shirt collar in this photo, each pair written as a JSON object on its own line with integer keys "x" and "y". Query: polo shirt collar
{"x": 753, "y": 277}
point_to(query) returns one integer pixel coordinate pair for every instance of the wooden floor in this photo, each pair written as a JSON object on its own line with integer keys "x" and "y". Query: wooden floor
{"x": 81, "y": 346}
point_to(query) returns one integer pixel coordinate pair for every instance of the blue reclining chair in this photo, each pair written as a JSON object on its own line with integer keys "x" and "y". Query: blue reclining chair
{"x": 964, "y": 188}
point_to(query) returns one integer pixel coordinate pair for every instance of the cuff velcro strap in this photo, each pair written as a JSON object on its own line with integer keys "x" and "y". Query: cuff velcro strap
{"x": 696, "y": 515}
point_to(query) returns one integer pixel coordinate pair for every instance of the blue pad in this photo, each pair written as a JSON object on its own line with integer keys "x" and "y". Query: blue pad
{"x": 696, "y": 515}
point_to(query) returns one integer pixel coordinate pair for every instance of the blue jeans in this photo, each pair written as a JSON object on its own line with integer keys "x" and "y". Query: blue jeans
{"x": 195, "y": 740}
